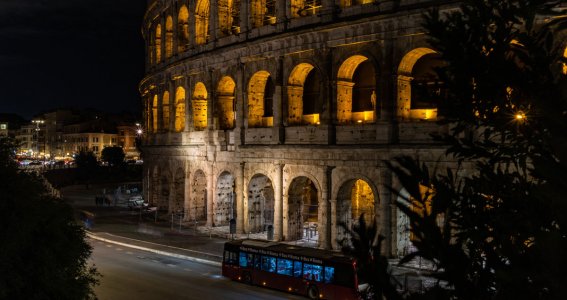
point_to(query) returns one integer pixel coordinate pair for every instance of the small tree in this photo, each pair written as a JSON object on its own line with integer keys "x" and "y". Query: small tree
{"x": 44, "y": 252}
{"x": 87, "y": 166}
{"x": 114, "y": 155}
{"x": 505, "y": 232}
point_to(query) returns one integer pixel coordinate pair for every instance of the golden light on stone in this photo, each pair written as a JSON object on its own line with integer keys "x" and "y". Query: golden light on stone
{"x": 362, "y": 199}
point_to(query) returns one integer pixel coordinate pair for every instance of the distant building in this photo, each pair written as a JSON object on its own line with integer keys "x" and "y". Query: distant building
{"x": 25, "y": 136}
{"x": 127, "y": 140}
{"x": 3, "y": 129}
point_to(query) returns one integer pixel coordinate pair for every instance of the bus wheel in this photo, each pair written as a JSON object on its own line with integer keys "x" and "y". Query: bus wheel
{"x": 313, "y": 292}
{"x": 246, "y": 278}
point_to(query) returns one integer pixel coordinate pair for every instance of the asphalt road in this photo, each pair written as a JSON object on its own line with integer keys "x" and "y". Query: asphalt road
{"x": 133, "y": 274}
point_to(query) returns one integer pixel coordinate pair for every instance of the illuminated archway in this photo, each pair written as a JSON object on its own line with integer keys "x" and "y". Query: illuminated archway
{"x": 304, "y": 95}
{"x": 183, "y": 29}
{"x": 200, "y": 106}
{"x": 165, "y": 110}
{"x": 202, "y": 11}
{"x": 179, "y": 109}
{"x": 155, "y": 114}
{"x": 355, "y": 198}
{"x": 260, "y": 204}
{"x": 262, "y": 12}
{"x": 229, "y": 16}
{"x": 260, "y": 100}
{"x": 565, "y": 64}
{"x": 168, "y": 37}
{"x": 226, "y": 107}
{"x": 198, "y": 209}
{"x": 356, "y": 91}
{"x": 224, "y": 208}
{"x": 419, "y": 88}
{"x": 303, "y": 8}
{"x": 303, "y": 210}
{"x": 158, "y": 43}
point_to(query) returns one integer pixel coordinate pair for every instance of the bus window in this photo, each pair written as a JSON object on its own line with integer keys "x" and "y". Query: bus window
{"x": 246, "y": 260}
{"x": 284, "y": 266}
{"x": 257, "y": 262}
{"x": 329, "y": 274}
{"x": 230, "y": 257}
{"x": 269, "y": 264}
{"x": 296, "y": 268}
{"x": 312, "y": 272}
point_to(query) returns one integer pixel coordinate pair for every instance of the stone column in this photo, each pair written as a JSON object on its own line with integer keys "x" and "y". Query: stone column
{"x": 171, "y": 197}
{"x": 334, "y": 243}
{"x": 187, "y": 191}
{"x": 240, "y": 189}
{"x": 403, "y": 97}
{"x": 278, "y": 202}
{"x": 244, "y": 17}
{"x": 325, "y": 211}
{"x": 386, "y": 210}
{"x": 210, "y": 192}
{"x": 213, "y": 20}
{"x": 172, "y": 106}
{"x": 174, "y": 16}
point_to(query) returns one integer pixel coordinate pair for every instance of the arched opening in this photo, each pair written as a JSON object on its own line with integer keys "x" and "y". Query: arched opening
{"x": 168, "y": 37}
{"x": 198, "y": 211}
{"x": 179, "y": 109}
{"x": 304, "y": 95}
{"x": 165, "y": 110}
{"x": 202, "y": 10}
{"x": 356, "y": 91}
{"x": 229, "y": 16}
{"x": 226, "y": 103}
{"x": 565, "y": 63}
{"x": 260, "y": 204}
{"x": 151, "y": 45}
{"x": 183, "y": 29}
{"x": 260, "y": 100}
{"x": 304, "y": 8}
{"x": 263, "y": 12}
{"x": 303, "y": 211}
{"x": 355, "y": 198}
{"x": 200, "y": 106}
{"x": 163, "y": 199}
{"x": 223, "y": 207}
{"x": 155, "y": 114}
{"x": 179, "y": 183}
{"x": 158, "y": 43}
{"x": 419, "y": 87}
{"x": 347, "y": 3}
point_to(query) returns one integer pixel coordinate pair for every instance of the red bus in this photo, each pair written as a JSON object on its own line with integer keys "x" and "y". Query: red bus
{"x": 315, "y": 273}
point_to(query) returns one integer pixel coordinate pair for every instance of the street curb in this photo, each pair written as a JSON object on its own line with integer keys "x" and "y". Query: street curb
{"x": 175, "y": 255}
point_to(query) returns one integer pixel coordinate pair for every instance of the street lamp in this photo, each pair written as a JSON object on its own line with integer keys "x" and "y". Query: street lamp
{"x": 37, "y": 129}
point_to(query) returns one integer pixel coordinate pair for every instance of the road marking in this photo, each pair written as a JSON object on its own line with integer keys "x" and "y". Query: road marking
{"x": 170, "y": 265}
{"x": 128, "y": 252}
{"x": 206, "y": 274}
{"x": 109, "y": 246}
{"x": 118, "y": 249}
{"x": 188, "y": 270}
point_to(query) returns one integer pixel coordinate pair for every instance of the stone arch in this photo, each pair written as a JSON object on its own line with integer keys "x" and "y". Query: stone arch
{"x": 155, "y": 114}
{"x": 158, "y": 43}
{"x": 229, "y": 16}
{"x": 403, "y": 241}
{"x": 419, "y": 88}
{"x": 179, "y": 109}
{"x": 260, "y": 100}
{"x": 199, "y": 102}
{"x": 262, "y": 12}
{"x": 226, "y": 103}
{"x": 165, "y": 110}
{"x": 168, "y": 37}
{"x": 179, "y": 194}
{"x": 202, "y": 11}
{"x": 183, "y": 29}
{"x": 304, "y": 95}
{"x": 198, "y": 211}
{"x": 356, "y": 91}
{"x": 224, "y": 208}
{"x": 261, "y": 203}
{"x": 564, "y": 64}
{"x": 303, "y": 210}
{"x": 355, "y": 197}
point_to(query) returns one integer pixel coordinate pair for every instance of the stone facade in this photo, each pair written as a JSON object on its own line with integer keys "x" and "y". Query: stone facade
{"x": 284, "y": 118}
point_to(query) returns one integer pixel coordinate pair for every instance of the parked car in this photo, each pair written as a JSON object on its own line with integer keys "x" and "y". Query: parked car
{"x": 136, "y": 202}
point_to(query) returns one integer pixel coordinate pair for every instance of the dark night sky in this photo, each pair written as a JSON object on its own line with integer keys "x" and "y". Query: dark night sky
{"x": 70, "y": 54}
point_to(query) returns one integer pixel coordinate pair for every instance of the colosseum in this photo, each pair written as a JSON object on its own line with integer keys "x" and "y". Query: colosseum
{"x": 280, "y": 114}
